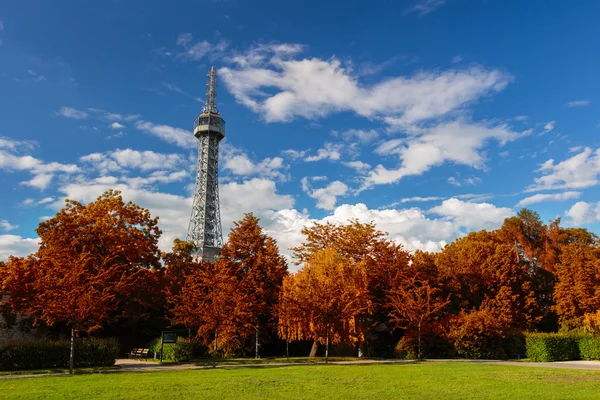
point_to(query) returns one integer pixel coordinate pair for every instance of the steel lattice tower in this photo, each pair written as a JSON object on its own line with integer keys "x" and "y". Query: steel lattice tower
{"x": 205, "y": 222}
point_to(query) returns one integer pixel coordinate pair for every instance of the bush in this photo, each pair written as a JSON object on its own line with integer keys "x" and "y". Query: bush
{"x": 589, "y": 347}
{"x": 547, "y": 347}
{"x": 38, "y": 354}
{"x": 183, "y": 350}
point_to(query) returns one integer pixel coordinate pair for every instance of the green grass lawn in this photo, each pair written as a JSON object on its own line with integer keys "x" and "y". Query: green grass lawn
{"x": 409, "y": 381}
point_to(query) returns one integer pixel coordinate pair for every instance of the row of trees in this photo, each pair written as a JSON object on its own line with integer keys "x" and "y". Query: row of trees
{"x": 99, "y": 264}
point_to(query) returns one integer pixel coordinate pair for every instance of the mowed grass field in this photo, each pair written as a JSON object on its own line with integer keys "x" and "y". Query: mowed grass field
{"x": 408, "y": 381}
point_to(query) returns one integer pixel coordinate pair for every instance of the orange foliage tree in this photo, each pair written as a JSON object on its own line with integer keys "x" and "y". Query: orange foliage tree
{"x": 93, "y": 265}
{"x": 213, "y": 304}
{"x": 325, "y": 298}
{"x": 361, "y": 243}
{"x": 485, "y": 277}
{"x": 415, "y": 301}
{"x": 577, "y": 291}
{"x": 254, "y": 259}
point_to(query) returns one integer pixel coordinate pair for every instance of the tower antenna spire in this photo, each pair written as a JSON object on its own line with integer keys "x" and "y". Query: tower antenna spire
{"x": 210, "y": 107}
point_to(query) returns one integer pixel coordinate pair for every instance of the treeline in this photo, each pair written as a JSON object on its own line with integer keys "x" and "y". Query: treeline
{"x": 99, "y": 270}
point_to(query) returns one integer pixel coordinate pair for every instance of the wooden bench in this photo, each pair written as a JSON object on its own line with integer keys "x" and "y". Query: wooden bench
{"x": 139, "y": 353}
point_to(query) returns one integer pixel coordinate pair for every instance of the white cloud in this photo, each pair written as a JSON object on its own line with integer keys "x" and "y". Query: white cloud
{"x": 133, "y": 159}
{"x": 456, "y": 59}
{"x": 69, "y": 112}
{"x": 457, "y": 141}
{"x": 177, "y": 136}
{"x": 421, "y": 199}
{"x": 358, "y": 166}
{"x": 577, "y": 172}
{"x": 294, "y": 154}
{"x": 579, "y": 103}
{"x": 14, "y": 145}
{"x": 584, "y": 213}
{"x": 116, "y": 125}
{"x": 312, "y": 88}
{"x": 540, "y": 198}
{"x": 330, "y": 151}
{"x": 6, "y": 226}
{"x": 31, "y": 202}
{"x": 358, "y": 135}
{"x": 239, "y": 163}
{"x": 194, "y": 51}
{"x": 13, "y": 245}
{"x": 521, "y": 117}
{"x": 549, "y": 127}
{"x": 326, "y": 197}
{"x": 423, "y": 7}
{"x": 40, "y": 181}
{"x": 474, "y": 216}
{"x": 29, "y": 163}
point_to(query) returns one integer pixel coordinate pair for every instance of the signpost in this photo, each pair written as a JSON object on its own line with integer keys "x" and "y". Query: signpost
{"x": 167, "y": 338}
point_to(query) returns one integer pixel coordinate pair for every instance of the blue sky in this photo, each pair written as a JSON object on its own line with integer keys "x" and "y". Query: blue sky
{"x": 430, "y": 117}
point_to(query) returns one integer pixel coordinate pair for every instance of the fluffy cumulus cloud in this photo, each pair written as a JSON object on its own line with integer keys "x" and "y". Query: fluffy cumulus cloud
{"x": 239, "y": 163}
{"x": 584, "y": 213}
{"x": 133, "y": 159}
{"x": 14, "y": 245}
{"x": 330, "y": 151}
{"x": 544, "y": 197}
{"x": 577, "y": 172}
{"x": 456, "y": 141}
{"x": 473, "y": 216}
{"x": 13, "y": 159}
{"x": 326, "y": 196}
{"x": 271, "y": 79}
{"x": 177, "y": 136}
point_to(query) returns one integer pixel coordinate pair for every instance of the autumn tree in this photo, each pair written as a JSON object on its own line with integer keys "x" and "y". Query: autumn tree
{"x": 362, "y": 243}
{"x": 213, "y": 304}
{"x": 485, "y": 277}
{"x": 93, "y": 265}
{"x": 327, "y": 294}
{"x": 414, "y": 301}
{"x": 577, "y": 291}
{"x": 255, "y": 259}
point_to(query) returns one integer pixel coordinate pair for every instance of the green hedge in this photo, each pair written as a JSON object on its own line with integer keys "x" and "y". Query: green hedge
{"x": 547, "y": 347}
{"x": 38, "y": 354}
{"x": 589, "y": 348}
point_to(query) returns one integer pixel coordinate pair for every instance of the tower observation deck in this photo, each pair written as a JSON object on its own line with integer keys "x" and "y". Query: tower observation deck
{"x": 204, "y": 229}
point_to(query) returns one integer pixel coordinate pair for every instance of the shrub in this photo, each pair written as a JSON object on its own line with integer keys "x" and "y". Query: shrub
{"x": 589, "y": 347}
{"x": 37, "y": 354}
{"x": 183, "y": 350}
{"x": 547, "y": 347}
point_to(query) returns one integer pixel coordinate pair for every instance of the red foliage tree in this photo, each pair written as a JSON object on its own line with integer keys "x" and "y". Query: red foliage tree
{"x": 92, "y": 266}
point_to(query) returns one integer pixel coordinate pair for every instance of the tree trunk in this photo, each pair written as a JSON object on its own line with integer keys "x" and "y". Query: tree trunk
{"x": 327, "y": 346}
{"x": 313, "y": 350}
{"x": 216, "y": 347}
{"x": 287, "y": 343}
{"x": 419, "y": 340}
{"x": 72, "y": 353}
{"x": 256, "y": 346}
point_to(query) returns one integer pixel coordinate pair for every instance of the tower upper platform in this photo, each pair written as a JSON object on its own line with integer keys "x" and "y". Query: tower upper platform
{"x": 210, "y": 120}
